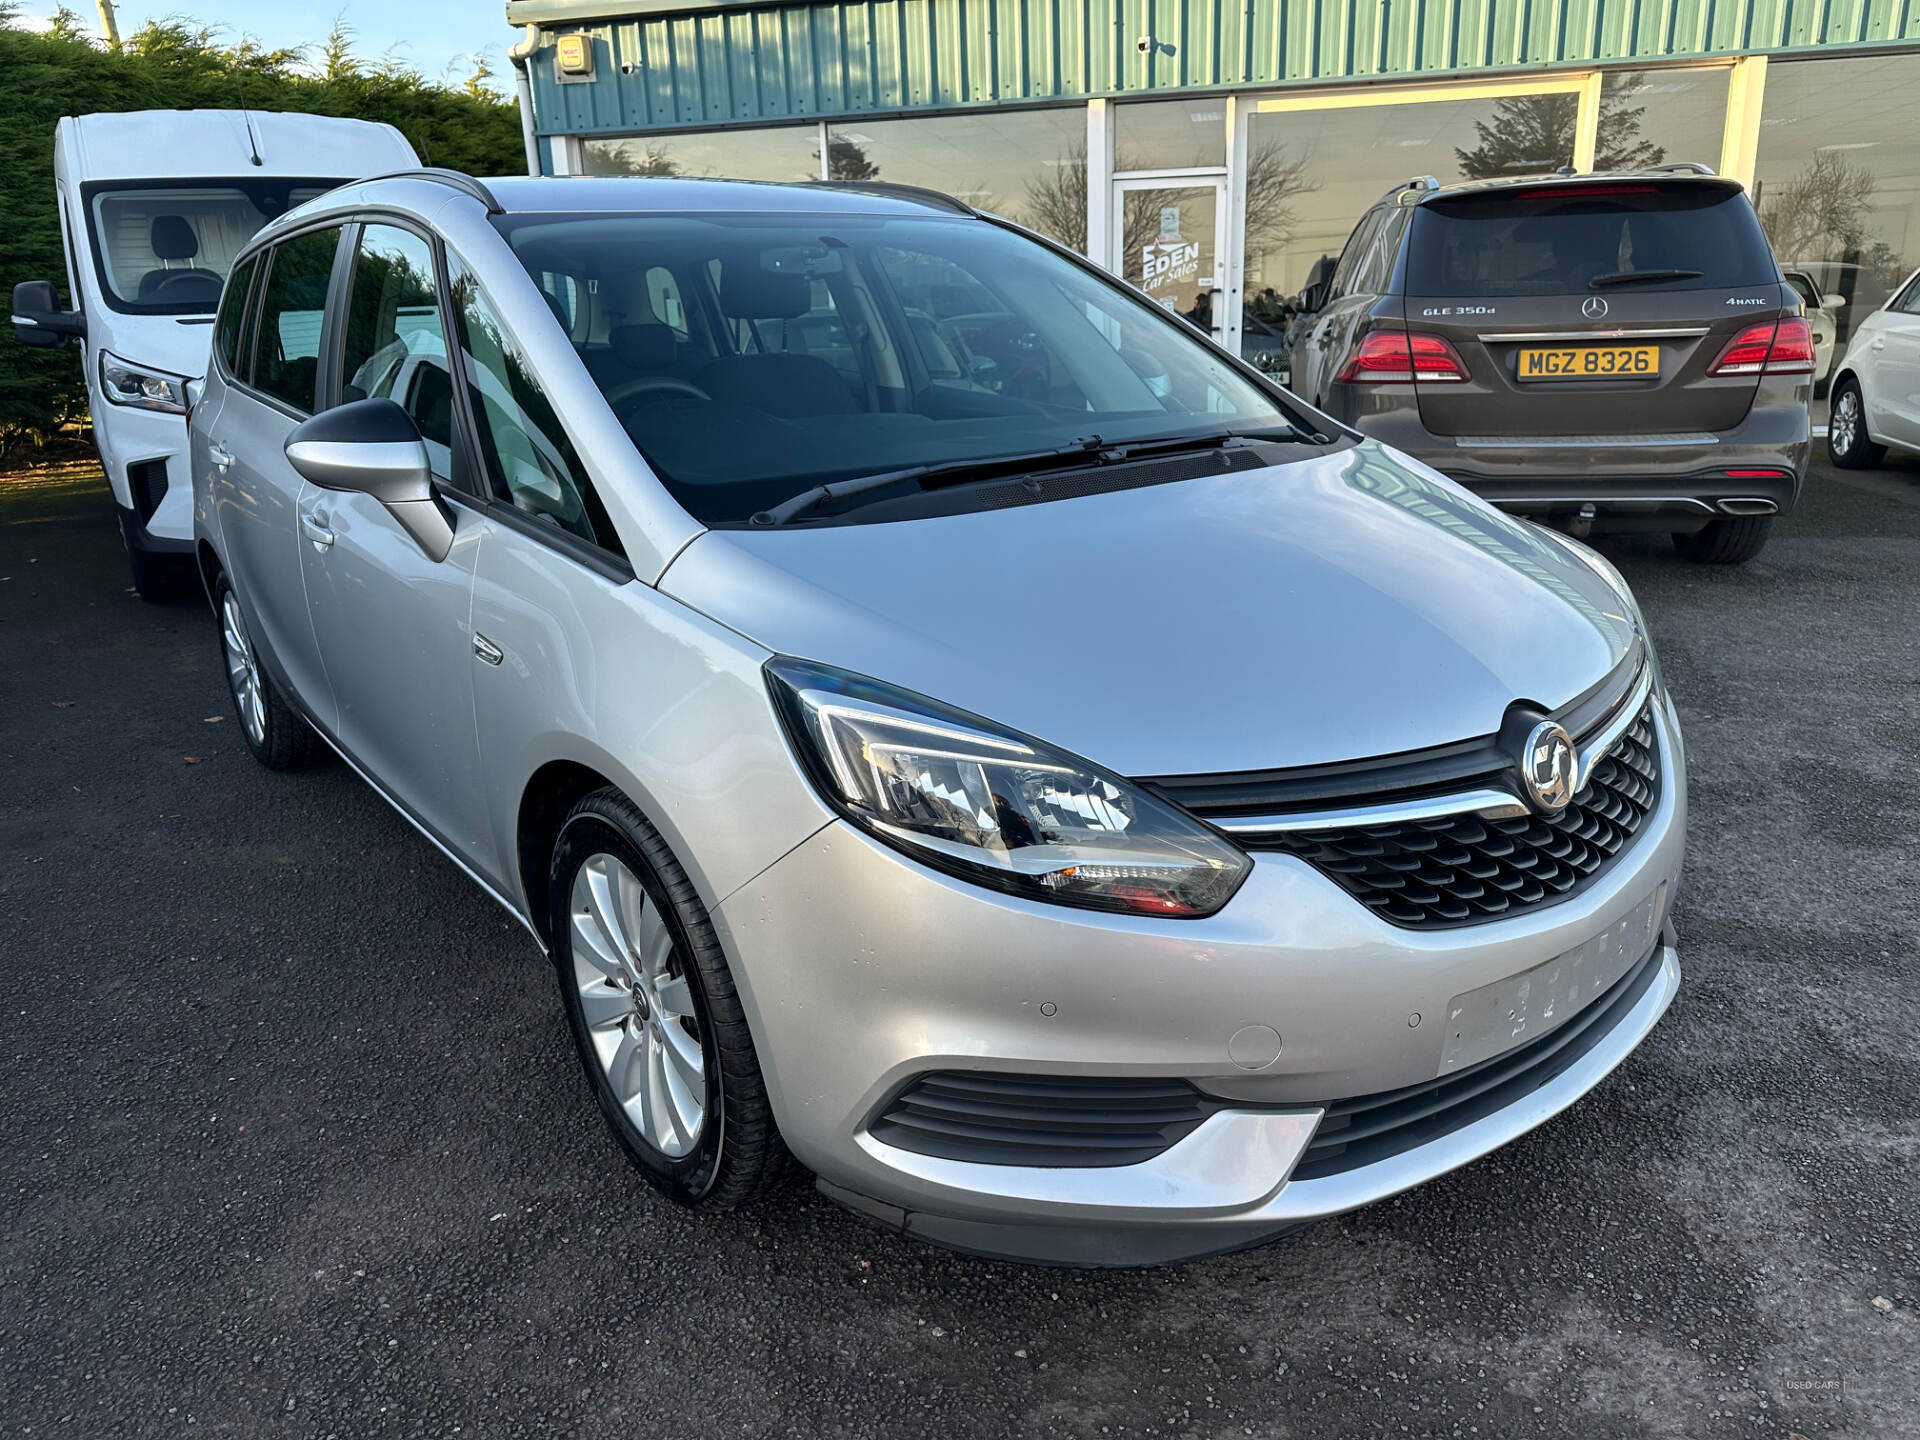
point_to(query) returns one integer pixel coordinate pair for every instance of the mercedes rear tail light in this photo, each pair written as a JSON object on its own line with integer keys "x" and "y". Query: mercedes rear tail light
{"x": 1399, "y": 357}
{"x": 1768, "y": 348}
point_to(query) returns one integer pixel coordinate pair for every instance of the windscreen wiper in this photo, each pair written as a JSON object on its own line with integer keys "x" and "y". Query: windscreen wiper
{"x": 1640, "y": 277}
{"x": 1088, "y": 450}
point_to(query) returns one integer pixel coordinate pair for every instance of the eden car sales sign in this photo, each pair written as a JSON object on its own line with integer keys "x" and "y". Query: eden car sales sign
{"x": 1169, "y": 260}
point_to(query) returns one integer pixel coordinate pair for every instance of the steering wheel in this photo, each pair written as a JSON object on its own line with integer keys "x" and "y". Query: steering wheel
{"x": 630, "y": 395}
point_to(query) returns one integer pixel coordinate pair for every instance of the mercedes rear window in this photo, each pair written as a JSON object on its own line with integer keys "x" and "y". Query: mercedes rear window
{"x": 1574, "y": 239}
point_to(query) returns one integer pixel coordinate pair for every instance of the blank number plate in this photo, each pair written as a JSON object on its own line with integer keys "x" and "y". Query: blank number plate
{"x": 1493, "y": 1019}
{"x": 1592, "y": 362}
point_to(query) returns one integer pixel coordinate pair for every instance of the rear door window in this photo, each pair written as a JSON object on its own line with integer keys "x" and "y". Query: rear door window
{"x": 286, "y": 350}
{"x": 1575, "y": 239}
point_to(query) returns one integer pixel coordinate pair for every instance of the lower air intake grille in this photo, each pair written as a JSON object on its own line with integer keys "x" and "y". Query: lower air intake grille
{"x": 1462, "y": 870}
{"x": 1372, "y": 1128}
{"x": 1045, "y": 1120}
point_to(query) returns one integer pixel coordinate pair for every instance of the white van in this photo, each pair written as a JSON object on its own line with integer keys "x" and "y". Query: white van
{"x": 153, "y": 206}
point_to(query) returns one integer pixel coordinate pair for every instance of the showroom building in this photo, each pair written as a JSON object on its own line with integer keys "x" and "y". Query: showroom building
{"x": 1216, "y": 153}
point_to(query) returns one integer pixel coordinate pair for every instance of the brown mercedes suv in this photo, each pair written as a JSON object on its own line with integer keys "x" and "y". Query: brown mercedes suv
{"x": 1600, "y": 352}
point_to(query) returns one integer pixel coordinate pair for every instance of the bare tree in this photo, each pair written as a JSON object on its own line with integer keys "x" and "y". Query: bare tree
{"x": 1822, "y": 212}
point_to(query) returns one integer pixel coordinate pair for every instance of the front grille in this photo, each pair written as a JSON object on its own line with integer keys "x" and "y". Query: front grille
{"x": 1371, "y": 1128}
{"x": 1463, "y": 870}
{"x": 1049, "y": 1120}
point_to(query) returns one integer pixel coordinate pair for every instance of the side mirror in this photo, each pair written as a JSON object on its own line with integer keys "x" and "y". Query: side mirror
{"x": 38, "y": 319}
{"x": 372, "y": 447}
{"x": 1833, "y": 302}
{"x": 1312, "y": 298}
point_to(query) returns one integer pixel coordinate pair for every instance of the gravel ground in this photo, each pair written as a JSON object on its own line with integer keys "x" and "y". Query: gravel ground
{"x": 295, "y": 1144}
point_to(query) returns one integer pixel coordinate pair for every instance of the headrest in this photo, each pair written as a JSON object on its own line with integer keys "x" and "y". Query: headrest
{"x": 750, "y": 293}
{"x": 172, "y": 238}
{"x": 643, "y": 347}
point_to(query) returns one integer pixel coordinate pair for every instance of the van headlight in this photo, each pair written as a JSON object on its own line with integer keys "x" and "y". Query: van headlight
{"x": 996, "y": 807}
{"x": 125, "y": 384}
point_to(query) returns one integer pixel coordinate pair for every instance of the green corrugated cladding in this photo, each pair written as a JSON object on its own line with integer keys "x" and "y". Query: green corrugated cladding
{"x": 766, "y": 63}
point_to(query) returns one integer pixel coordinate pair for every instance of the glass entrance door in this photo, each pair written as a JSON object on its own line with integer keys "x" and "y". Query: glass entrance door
{"x": 1169, "y": 237}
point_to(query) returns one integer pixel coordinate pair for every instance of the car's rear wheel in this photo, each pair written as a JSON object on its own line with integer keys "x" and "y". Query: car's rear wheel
{"x": 654, "y": 1012}
{"x": 1730, "y": 540}
{"x": 1848, "y": 444}
{"x": 279, "y": 738}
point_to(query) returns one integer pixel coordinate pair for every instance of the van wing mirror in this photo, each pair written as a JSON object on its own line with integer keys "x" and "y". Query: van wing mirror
{"x": 38, "y": 319}
{"x": 372, "y": 448}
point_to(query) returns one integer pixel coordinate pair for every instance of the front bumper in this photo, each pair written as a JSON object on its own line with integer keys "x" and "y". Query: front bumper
{"x": 861, "y": 969}
{"x": 145, "y": 456}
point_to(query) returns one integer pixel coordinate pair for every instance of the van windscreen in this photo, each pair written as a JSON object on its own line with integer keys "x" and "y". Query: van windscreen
{"x": 164, "y": 248}
{"x": 1561, "y": 239}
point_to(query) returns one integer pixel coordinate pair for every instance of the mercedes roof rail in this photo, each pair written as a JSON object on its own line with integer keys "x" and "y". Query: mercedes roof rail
{"x": 1693, "y": 167}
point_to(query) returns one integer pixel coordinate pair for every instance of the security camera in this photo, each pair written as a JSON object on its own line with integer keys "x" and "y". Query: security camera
{"x": 1145, "y": 45}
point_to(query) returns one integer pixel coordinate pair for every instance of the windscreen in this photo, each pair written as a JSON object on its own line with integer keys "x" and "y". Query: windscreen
{"x": 1572, "y": 239}
{"x": 165, "y": 249}
{"x": 752, "y": 356}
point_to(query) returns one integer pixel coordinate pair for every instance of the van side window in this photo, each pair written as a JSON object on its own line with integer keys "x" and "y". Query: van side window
{"x": 395, "y": 344}
{"x": 532, "y": 464}
{"x": 233, "y": 310}
{"x": 286, "y": 347}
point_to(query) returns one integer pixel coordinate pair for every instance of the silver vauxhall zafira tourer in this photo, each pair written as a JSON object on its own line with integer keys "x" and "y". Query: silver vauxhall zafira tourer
{"x": 945, "y": 720}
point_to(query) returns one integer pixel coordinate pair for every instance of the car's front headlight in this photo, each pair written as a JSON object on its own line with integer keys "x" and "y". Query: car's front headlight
{"x": 996, "y": 807}
{"x": 125, "y": 384}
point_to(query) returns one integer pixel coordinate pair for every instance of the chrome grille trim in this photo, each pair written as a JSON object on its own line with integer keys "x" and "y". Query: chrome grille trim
{"x": 1487, "y": 802}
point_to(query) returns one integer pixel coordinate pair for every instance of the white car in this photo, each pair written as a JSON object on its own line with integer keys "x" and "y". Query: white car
{"x": 1822, "y": 320}
{"x": 1876, "y": 389}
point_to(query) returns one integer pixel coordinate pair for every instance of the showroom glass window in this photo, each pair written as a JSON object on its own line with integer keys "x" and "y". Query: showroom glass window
{"x": 788, "y": 152}
{"x": 1028, "y": 165}
{"x": 1837, "y": 182}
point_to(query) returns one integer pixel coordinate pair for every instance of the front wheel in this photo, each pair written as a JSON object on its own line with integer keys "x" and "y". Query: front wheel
{"x": 1730, "y": 540}
{"x": 654, "y": 1012}
{"x": 1848, "y": 444}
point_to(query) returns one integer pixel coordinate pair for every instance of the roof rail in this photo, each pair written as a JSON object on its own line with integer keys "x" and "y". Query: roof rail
{"x": 921, "y": 193}
{"x": 457, "y": 179}
{"x": 1691, "y": 167}
{"x": 1424, "y": 183}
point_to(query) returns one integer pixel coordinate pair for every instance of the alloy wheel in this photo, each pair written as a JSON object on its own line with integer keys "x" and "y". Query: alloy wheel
{"x": 638, "y": 1009}
{"x": 1845, "y": 421}
{"x": 243, "y": 670}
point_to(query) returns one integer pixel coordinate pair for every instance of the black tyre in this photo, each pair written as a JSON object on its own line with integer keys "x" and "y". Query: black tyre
{"x": 279, "y": 738}
{"x": 1730, "y": 540}
{"x": 158, "y": 577}
{"x": 1848, "y": 444}
{"x": 654, "y": 1012}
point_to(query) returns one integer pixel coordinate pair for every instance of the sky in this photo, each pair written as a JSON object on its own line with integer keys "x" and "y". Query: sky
{"x": 426, "y": 34}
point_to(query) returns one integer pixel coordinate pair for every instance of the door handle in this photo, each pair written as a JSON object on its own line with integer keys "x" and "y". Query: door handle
{"x": 222, "y": 458}
{"x": 489, "y": 652}
{"x": 313, "y": 525}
